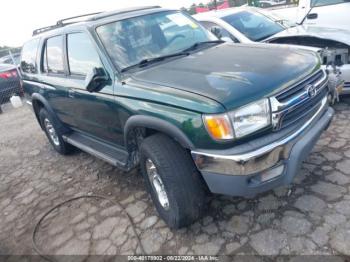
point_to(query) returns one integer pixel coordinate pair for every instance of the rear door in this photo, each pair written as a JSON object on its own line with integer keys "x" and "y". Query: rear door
{"x": 94, "y": 113}
{"x": 53, "y": 78}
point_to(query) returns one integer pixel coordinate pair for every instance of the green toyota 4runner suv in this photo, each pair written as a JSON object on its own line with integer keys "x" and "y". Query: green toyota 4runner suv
{"x": 150, "y": 87}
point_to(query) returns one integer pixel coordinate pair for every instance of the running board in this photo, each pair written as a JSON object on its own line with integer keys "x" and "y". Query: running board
{"x": 115, "y": 156}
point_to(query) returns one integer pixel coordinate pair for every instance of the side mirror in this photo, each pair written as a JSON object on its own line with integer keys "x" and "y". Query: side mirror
{"x": 96, "y": 80}
{"x": 216, "y": 31}
{"x": 312, "y": 16}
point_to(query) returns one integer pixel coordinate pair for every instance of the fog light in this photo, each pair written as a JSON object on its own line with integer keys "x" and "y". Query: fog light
{"x": 272, "y": 173}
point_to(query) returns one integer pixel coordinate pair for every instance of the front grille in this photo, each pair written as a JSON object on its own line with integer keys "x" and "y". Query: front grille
{"x": 304, "y": 110}
{"x": 300, "y": 87}
{"x": 298, "y": 103}
{"x": 347, "y": 85}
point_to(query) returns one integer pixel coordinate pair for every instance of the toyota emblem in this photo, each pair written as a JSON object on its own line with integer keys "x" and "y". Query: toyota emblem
{"x": 311, "y": 90}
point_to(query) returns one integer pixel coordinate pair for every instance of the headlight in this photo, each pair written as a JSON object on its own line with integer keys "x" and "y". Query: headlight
{"x": 250, "y": 118}
{"x": 239, "y": 123}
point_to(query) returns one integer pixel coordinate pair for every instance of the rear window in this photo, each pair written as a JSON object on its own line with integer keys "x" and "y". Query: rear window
{"x": 53, "y": 56}
{"x": 28, "y": 61}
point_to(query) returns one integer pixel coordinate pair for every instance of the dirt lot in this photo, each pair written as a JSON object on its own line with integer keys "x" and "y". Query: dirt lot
{"x": 310, "y": 217}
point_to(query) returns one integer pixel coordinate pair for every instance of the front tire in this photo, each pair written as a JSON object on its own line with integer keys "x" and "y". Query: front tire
{"x": 53, "y": 133}
{"x": 173, "y": 181}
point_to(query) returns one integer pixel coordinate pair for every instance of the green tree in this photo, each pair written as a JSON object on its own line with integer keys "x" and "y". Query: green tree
{"x": 192, "y": 9}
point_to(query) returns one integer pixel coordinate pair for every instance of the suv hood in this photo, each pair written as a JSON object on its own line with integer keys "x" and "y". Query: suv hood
{"x": 234, "y": 74}
{"x": 339, "y": 35}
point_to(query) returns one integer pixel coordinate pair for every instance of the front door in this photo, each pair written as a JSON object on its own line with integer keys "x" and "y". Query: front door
{"x": 94, "y": 113}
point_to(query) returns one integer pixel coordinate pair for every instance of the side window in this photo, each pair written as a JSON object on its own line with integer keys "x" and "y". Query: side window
{"x": 82, "y": 56}
{"x": 224, "y": 33}
{"x": 315, "y": 3}
{"x": 28, "y": 61}
{"x": 53, "y": 56}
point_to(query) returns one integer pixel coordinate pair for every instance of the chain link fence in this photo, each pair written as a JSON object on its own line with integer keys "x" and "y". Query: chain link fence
{"x": 10, "y": 78}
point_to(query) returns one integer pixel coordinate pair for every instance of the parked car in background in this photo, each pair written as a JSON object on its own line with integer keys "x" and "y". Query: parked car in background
{"x": 9, "y": 82}
{"x": 270, "y": 3}
{"x": 150, "y": 87}
{"x": 8, "y": 59}
{"x": 328, "y": 13}
{"x": 249, "y": 25}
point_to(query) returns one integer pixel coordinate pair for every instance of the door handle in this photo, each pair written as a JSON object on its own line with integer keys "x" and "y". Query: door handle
{"x": 71, "y": 93}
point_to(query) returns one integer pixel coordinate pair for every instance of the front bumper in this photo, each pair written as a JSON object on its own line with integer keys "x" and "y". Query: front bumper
{"x": 254, "y": 171}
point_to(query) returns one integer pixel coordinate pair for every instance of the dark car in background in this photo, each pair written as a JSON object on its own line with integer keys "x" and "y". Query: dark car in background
{"x": 9, "y": 82}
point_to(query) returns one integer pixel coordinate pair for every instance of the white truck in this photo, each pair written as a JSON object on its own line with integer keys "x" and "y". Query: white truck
{"x": 329, "y": 13}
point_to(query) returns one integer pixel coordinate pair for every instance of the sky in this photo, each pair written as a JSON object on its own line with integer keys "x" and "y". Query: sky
{"x": 19, "y": 18}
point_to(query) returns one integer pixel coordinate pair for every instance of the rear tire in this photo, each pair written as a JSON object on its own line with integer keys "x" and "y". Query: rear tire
{"x": 53, "y": 133}
{"x": 175, "y": 185}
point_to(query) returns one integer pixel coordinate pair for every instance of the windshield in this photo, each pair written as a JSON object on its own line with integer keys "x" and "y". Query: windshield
{"x": 135, "y": 39}
{"x": 253, "y": 25}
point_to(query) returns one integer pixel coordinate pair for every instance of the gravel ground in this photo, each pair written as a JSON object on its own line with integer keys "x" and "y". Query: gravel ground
{"x": 312, "y": 216}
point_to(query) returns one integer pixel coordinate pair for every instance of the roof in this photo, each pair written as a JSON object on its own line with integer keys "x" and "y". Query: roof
{"x": 121, "y": 11}
{"x": 89, "y": 18}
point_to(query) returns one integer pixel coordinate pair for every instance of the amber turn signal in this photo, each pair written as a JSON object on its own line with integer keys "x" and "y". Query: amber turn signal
{"x": 219, "y": 126}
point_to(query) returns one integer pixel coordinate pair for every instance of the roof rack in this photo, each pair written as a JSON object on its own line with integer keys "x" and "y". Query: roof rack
{"x": 122, "y": 11}
{"x": 61, "y": 23}
{"x": 96, "y": 16}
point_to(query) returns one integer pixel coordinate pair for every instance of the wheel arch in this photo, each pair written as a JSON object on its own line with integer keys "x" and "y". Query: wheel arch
{"x": 155, "y": 124}
{"x": 38, "y": 102}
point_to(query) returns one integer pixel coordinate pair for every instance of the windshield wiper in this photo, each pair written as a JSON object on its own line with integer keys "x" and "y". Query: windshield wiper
{"x": 147, "y": 61}
{"x": 198, "y": 44}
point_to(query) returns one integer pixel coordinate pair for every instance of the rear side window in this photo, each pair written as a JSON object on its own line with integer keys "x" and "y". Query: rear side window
{"x": 82, "y": 56}
{"x": 28, "y": 61}
{"x": 53, "y": 56}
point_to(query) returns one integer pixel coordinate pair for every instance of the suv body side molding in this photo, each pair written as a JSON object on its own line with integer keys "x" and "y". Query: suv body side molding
{"x": 159, "y": 125}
